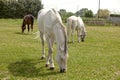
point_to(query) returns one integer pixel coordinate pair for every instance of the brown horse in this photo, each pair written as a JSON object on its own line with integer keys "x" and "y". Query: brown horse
{"x": 27, "y": 20}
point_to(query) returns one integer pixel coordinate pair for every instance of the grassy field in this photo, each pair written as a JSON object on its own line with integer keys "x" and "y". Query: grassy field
{"x": 98, "y": 58}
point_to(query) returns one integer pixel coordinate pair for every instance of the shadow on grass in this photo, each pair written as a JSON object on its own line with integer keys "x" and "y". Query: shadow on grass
{"x": 29, "y": 68}
{"x": 20, "y": 33}
{"x": 70, "y": 42}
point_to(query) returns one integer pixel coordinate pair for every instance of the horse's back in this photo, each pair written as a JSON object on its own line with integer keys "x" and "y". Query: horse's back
{"x": 72, "y": 22}
{"x": 46, "y": 20}
{"x": 41, "y": 19}
{"x": 72, "y": 18}
{"x": 80, "y": 22}
{"x": 76, "y": 21}
{"x": 29, "y": 19}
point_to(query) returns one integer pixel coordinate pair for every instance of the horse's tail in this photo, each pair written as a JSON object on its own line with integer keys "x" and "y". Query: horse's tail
{"x": 37, "y": 36}
{"x": 32, "y": 17}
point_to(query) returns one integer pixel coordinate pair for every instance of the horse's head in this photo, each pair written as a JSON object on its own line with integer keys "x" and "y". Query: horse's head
{"x": 83, "y": 34}
{"x": 62, "y": 58}
{"x": 23, "y": 27}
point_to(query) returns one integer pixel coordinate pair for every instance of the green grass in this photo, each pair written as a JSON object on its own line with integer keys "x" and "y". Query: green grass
{"x": 98, "y": 58}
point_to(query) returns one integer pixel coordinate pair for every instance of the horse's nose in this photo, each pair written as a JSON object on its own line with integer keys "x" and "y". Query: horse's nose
{"x": 82, "y": 40}
{"x": 62, "y": 70}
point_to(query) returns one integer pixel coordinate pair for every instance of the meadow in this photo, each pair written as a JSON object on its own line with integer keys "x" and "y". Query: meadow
{"x": 98, "y": 58}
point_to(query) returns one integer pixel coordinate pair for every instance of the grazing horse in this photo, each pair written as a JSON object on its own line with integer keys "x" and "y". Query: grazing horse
{"x": 27, "y": 20}
{"x": 51, "y": 27}
{"x": 76, "y": 23}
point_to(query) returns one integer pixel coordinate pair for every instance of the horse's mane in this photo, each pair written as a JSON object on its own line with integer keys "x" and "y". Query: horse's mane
{"x": 63, "y": 29}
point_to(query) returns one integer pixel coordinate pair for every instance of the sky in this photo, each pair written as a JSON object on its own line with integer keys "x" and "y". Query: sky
{"x": 74, "y": 5}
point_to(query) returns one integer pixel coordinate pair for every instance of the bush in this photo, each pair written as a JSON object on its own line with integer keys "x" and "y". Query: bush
{"x": 19, "y": 8}
{"x": 89, "y": 13}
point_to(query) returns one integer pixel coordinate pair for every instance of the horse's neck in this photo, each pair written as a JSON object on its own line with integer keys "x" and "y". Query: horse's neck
{"x": 23, "y": 24}
{"x": 60, "y": 35}
{"x": 84, "y": 29}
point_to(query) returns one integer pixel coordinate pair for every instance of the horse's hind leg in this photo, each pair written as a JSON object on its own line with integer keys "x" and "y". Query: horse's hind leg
{"x": 73, "y": 30}
{"x": 32, "y": 22}
{"x": 73, "y": 35}
{"x": 68, "y": 31}
{"x": 28, "y": 28}
{"x": 43, "y": 45}
{"x": 32, "y": 28}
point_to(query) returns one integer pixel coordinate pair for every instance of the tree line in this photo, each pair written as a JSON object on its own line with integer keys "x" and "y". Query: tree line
{"x": 86, "y": 13}
{"x": 19, "y": 8}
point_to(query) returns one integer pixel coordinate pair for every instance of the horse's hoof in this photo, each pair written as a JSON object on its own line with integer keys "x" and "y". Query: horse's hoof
{"x": 82, "y": 40}
{"x": 47, "y": 65}
{"x": 62, "y": 70}
{"x": 51, "y": 68}
{"x": 42, "y": 58}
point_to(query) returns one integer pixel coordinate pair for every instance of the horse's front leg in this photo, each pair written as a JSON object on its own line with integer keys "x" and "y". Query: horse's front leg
{"x": 78, "y": 35}
{"x": 43, "y": 45}
{"x": 50, "y": 61}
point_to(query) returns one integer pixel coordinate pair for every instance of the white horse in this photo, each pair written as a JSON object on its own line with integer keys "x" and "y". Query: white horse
{"x": 76, "y": 23}
{"x": 51, "y": 27}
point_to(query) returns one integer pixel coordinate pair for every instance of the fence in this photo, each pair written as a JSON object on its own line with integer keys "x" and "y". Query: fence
{"x": 115, "y": 20}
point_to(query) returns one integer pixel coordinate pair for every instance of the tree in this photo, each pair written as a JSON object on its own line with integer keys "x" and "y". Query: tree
{"x": 82, "y": 12}
{"x": 103, "y": 13}
{"x": 30, "y": 6}
{"x": 62, "y": 11}
{"x": 65, "y": 14}
{"x": 89, "y": 13}
{"x": 19, "y": 8}
{"x": 3, "y": 8}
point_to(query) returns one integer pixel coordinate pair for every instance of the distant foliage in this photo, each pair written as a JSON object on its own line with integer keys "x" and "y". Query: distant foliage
{"x": 19, "y": 8}
{"x": 103, "y": 13}
{"x": 89, "y": 13}
{"x": 84, "y": 12}
{"x": 114, "y": 15}
{"x": 65, "y": 14}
